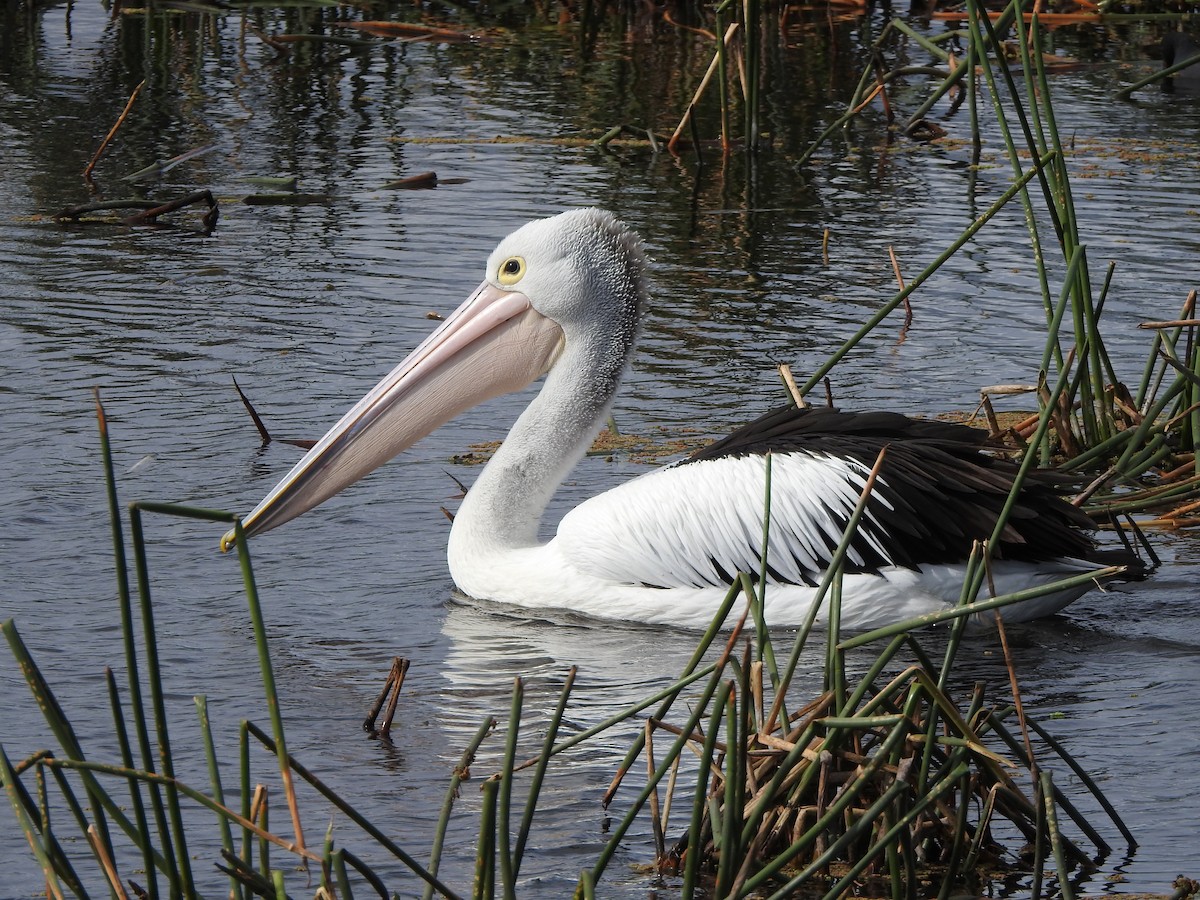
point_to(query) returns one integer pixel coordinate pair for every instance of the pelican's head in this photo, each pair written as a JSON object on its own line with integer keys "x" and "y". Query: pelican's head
{"x": 576, "y": 279}
{"x": 583, "y": 269}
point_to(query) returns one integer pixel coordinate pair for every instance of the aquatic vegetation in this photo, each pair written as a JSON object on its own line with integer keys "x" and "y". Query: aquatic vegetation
{"x": 883, "y": 767}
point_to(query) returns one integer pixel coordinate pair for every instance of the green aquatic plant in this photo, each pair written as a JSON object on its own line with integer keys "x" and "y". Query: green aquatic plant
{"x": 767, "y": 812}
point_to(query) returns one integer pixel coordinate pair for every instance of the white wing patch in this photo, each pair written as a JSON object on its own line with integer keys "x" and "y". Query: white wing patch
{"x": 699, "y": 524}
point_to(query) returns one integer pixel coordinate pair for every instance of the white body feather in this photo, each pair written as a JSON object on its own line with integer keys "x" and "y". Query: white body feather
{"x": 640, "y": 552}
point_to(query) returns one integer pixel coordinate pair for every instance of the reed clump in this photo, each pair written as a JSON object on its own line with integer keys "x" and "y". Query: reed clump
{"x": 876, "y": 778}
{"x": 1132, "y": 442}
{"x": 895, "y": 785}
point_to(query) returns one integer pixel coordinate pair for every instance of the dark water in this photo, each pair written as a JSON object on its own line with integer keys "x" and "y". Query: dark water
{"x": 308, "y": 305}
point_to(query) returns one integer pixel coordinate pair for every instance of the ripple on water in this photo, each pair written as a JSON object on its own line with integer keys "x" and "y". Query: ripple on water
{"x": 309, "y": 305}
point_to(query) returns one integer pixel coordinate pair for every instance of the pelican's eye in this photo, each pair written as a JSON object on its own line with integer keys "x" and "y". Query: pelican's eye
{"x": 511, "y": 270}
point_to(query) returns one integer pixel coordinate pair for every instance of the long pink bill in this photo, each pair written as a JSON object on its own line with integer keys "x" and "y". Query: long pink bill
{"x": 493, "y": 344}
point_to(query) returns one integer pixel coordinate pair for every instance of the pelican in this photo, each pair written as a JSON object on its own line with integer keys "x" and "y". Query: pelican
{"x": 564, "y": 297}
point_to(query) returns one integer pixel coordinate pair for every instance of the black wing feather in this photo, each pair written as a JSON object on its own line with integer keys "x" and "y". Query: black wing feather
{"x": 944, "y": 490}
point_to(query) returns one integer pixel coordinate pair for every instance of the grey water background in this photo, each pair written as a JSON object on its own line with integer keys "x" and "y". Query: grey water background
{"x": 309, "y": 305}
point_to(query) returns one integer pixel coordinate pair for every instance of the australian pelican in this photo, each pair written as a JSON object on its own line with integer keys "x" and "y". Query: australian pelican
{"x": 564, "y": 297}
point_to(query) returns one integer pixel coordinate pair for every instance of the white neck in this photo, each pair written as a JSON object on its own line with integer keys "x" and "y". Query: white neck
{"x": 504, "y": 507}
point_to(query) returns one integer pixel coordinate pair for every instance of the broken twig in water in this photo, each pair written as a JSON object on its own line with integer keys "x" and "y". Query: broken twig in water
{"x": 391, "y": 686}
{"x": 908, "y": 313}
{"x": 413, "y": 31}
{"x": 263, "y": 432}
{"x": 150, "y": 209}
{"x": 413, "y": 182}
{"x": 150, "y": 216}
{"x": 87, "y": 172}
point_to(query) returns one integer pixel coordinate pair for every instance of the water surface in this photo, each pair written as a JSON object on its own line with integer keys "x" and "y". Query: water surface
{"x": 309, "y": 305}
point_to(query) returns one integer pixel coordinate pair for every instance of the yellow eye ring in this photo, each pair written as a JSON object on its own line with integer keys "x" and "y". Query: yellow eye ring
{"x": 511, "y": 270}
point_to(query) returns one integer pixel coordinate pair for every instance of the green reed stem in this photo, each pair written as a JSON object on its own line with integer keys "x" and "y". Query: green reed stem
{"x": 539, "y": 772}
{"x": 836, "y": 809}
{"x": 508, "y": 875}
{"x": 125, "y": 606}
{"x": 974, "y": 54}
{"x": 1053, "y": 350}
{"x": 844, "y": 885}
{"x": 327, "y": 859}
{"x": 366, "y": 872}
{"x": 959, "y": 626}
{"x": 726, "y": 827}
{"x": 752, "y": 43}
{"x": 695, "y": 831}
{"x": 979, "y": 46}
{"x": 353, "y": 814}
{"x": 35, "y": 836}
{"x": 340, "y": 876}
{"x": 667, "y": 695}
{"x": 1036, "y": 146}
{"x": 960, "y": 71}
{"x": 982, "y": 830}
{"x": 972, "y": 585}
{"x": 456, "y": 778}
{"x": 1056, "y": 838}
{"x": 68, "y": 795}
{"x": 214, "y": 777}
{"x": 765, "y": 646}
{"x": 247, "y": 790}
{"x": 1033, "y": 85}
{"x": 587, "y": 886}
{"x": 92, "y": 768}
{"x": 158, "y": 704}
{"x": 832, "y": 575}
{"x": 1019, "y": 748}
{"x": 1090, "y": 337}
{"x": 1039, "y": 842}
{"x": 266, "y": 671}
{"x": 929, "y": 45}
{"x": 864, "y": 684}
{"x": 928, "y": 271}
{"x": 1193, "y": 440}
{"x": 958, "y": 837}
{"x": 1156, "y": 450}
{"x": 722, "y": 82}
{"x": 1087, "y": 780}
{"x": 264, "y": 845}
{"x": 485, "y": 849}
{"x": 60, "y": 726}
{"x": 1106, "y": 364}
{"x": 670, "y": 693}
{"x": 1099, "y": 451}
{"x": 977, "y": 606}
{"x": 868, "y": 75}
{"x": 835, "y": 663}
{"x": 1126, "y": 92}
{"x": 135, "y": 793}
{"x": 932, "y": 724}
{"x": 1153, "y": 366}
{"x": 1148, "y": 423}
{"x": 685, "y": 735}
